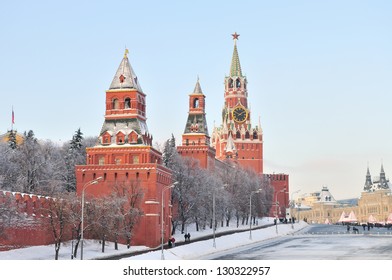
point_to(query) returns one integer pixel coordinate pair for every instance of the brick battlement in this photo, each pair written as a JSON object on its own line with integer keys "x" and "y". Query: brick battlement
{"x": 30, "y": 204}
{"x": 277, "y": 177}
{"x": 30, "y": 230}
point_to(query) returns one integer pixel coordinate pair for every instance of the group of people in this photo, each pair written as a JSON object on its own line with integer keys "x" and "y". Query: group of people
{"x": 187, "y": 237}
{"x": 172, "y": 240}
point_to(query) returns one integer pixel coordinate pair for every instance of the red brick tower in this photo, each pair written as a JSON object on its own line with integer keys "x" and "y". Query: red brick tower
{"x": 195, "y": 139}
{"x": 236, "y": 138}
{"x": 124, "y": 156}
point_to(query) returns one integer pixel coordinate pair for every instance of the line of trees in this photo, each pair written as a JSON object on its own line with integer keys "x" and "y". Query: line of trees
{"x": 229, "y": 184}
{"x": 42, "y": 167}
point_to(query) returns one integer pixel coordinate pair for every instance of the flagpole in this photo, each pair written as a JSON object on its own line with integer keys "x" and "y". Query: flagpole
{"x": 13, "y": 119}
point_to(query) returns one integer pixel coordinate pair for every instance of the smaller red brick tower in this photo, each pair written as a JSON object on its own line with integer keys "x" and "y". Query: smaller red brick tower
{"x": 195, "y": 139}
{"x": 124, "y": 156}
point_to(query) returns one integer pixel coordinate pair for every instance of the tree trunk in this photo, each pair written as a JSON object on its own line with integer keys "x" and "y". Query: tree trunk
{"x": 103, "y": 244}
{"x": 75, "y": 252}
{"x": 116, "y": 241}
{"x": 57, "y": 249}
{"x": 128, "y": 242}
{"x": 182, "y": 227}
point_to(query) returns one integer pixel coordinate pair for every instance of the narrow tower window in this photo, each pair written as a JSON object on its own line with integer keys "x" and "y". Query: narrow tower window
{"x": 115, "y": 104}
{"x": 230, "y": 83}
{"x": 196, "y": 103}
{"x": 127, "y": 103}
{"x": 238, "y": 83}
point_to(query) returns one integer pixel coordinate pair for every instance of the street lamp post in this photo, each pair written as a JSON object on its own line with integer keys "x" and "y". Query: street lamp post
{"x": 92, "y": 182}
{"x": 162, "y": 220}
{"x": 292, "y": 201}
{"x": 214, "y": 219}
{"x": 298, "y": 209}
{"x": 250, "y": 212}
{"x": 276, "y": 207}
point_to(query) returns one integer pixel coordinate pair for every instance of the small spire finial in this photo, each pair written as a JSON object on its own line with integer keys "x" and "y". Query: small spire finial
{"x": 235, "y": 37}
{"x": 126, "y": 53}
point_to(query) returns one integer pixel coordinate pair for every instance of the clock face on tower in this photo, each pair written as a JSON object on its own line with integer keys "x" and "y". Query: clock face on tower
{"x": 240, "y": 114}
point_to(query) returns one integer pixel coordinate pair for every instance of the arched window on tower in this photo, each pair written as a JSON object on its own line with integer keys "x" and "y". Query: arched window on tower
{"x": 127, "y": 103}
{"x": 196, "y": 103}
{"x": 238, "y": 83}
{"x": 230, "y": 83}
{"x": 254, "y": 134}
{"x": 247, "y": 135}
{"x": 238, "y": 135}
{"x": 115, "y": 104}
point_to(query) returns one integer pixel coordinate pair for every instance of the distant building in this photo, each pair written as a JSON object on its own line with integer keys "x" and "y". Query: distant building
{"x": 373, "y": 206}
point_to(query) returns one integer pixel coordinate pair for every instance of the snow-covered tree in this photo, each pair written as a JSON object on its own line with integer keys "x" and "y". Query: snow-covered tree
{"x": 12, "y": 139}
{"x": 170, "y": 154}
{"x": 29, "y": 163}
{"x": 58, "y": 212}
{"x": 74, "y": 154}
{"x": 129, "y": 197}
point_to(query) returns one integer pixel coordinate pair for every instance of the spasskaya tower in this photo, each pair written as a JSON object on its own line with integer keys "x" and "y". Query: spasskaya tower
{"x": 236, "y": 138}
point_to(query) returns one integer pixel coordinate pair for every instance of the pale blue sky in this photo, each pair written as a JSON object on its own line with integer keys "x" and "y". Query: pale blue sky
{"x": 319, "y": 74}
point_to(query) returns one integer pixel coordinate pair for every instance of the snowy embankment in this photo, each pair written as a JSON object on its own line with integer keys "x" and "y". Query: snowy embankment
{"x": 193, "y": 250}
{"x": 201, "y": 249}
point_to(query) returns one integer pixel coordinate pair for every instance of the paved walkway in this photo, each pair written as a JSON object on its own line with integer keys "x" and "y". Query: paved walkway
{"x": 179, "y": 243}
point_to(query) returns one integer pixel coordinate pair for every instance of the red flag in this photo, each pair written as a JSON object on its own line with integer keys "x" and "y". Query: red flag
{"x": 13, "y": 116}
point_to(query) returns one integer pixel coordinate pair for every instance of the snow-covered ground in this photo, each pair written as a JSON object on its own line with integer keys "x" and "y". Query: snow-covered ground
{"x": 197, "y": 250}
{"x": 187, "y": 257}
{"x": 193, "y": 250}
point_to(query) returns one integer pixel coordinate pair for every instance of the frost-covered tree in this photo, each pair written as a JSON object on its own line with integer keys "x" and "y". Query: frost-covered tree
{"x": 170, "y": 155}
{"x": 58, "y": 212}
{"x": 77, "y": 140}
{"x": 12, "y": 139}
{"x": 29, "y": 161}
{"x": 239, "y": 183}
{"x": 101, "y": 218}
{"x": 74, "y": 154}
{"x": 186, "y": 194}
{"x": 129, "y": 197}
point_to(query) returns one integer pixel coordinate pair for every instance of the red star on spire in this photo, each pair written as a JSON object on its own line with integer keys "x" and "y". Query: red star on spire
{"x": 235, "y": 36}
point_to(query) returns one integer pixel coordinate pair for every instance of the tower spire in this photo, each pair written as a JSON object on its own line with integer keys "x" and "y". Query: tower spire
{"x": 197, "y": 89}
{"x": 235, "y": 68}
{"x": 125, "y": 77}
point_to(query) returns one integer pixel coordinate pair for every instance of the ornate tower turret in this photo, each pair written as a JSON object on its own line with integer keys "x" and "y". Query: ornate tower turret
{"x": 368, "y": 182}
{"x": 125, "y": 115}
{"x": 236, "y": 138}
{"x": 195, "y": 139}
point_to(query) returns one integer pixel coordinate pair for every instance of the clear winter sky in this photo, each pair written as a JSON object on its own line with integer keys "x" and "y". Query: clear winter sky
{"x": 319, "y": 75}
